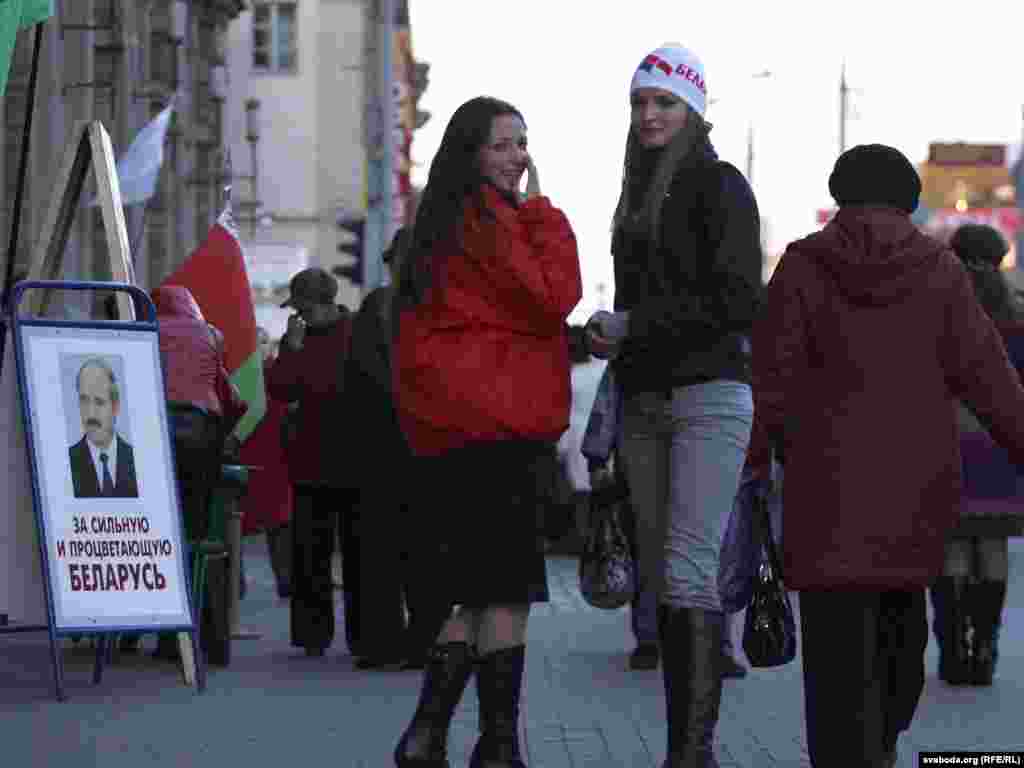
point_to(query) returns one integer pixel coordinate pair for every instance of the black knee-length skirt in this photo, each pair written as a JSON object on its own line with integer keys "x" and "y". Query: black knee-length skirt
{"x": 474, "y": 528}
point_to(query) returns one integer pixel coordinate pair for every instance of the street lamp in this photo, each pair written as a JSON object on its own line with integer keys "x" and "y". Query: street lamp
{"x": 763, "y": 75}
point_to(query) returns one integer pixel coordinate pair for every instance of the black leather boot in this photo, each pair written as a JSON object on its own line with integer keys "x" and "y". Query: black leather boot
{"x": 499, "y": 681}
{"x": 691, "y": 652}
{"x": 425, "y": 742}
{"x": 985, "y": 601}
{"x": 950, "y": 628}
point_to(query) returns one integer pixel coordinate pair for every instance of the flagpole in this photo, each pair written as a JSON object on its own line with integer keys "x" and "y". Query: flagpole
{"x": 19, "y": 191}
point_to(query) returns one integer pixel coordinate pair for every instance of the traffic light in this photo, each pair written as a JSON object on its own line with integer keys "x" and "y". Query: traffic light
{"x": 353, "y": 245}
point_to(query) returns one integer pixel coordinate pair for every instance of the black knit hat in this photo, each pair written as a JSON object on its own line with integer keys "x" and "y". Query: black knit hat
{"x": 874, "y": 174}
{"x": 979, "y": 244}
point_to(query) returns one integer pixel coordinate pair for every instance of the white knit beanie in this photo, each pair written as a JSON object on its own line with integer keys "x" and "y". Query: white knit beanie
{"x": 677, "y": 70}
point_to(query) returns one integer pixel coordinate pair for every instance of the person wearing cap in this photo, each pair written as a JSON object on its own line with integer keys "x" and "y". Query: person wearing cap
{"x": 870, "y": 334}
{"x": 480, "y": 364}
{"x": 971, "y": 592}
{"x": 309, "y": 371}
{"x": 687, "y": 259}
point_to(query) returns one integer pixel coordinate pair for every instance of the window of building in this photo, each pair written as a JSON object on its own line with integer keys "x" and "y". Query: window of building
{"x": 274, "y": 38}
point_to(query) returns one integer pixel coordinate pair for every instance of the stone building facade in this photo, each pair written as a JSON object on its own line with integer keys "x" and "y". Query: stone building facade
{"x": 120, "y": 62}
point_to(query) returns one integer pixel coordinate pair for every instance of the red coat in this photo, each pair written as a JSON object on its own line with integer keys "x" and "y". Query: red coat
{"x": 268, "y": 501}
{"x": 869, "y": 334}
{"x": 313, "y": 377}
{"x": 193, "y": 354}
{"x": 485, "y": 356}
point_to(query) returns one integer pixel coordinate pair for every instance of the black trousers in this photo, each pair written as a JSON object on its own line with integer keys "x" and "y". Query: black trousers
{"x": 381, "y": 620}
{"x": 863, "y": 658}
{"x": 198, "y": 443}
{"x": 315, "y": 524}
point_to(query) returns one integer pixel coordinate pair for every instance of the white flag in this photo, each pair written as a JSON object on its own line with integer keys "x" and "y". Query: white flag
{"x": 138, "y": 169}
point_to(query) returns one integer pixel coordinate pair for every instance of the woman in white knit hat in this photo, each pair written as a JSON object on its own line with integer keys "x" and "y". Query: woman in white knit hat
{"x": 686, "y": 246}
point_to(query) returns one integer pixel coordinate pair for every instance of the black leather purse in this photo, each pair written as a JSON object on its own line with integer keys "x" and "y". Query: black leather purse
{"x": 769, "y": 630}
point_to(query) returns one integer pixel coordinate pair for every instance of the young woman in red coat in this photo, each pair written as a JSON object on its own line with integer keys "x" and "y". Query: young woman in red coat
{"x": 870, "y": 334}
{"x": 481, "y": 370}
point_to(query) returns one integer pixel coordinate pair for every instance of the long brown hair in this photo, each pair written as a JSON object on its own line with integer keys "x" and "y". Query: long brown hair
{"x": 454, "y": 176}
{"x": 691, "y": 138}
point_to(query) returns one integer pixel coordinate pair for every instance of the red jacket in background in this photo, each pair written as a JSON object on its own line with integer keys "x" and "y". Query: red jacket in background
{"x": 869, "y": 334}
{"x": 193, "y": 354}
{"x": 485, "y": 356}
{"x": 268, "y": 502}
{"x": 313, "y": 377}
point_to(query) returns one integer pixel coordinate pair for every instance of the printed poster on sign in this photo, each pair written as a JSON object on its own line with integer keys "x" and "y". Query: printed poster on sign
{"x": 107, "y": 493}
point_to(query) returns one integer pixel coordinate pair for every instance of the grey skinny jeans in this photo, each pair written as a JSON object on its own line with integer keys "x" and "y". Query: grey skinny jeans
{"x": 683, "y": 453}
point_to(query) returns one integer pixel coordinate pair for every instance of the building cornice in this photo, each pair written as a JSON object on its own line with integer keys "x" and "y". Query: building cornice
{"x": 224, "y": 9}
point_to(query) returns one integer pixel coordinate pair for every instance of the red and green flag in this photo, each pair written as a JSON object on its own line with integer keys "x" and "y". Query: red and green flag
{"x": 16, "y": 15}
{"x": 215, "y": 274}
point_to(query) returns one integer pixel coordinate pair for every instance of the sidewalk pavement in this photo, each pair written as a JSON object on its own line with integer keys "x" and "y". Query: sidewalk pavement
{"x": 582, "y": 707}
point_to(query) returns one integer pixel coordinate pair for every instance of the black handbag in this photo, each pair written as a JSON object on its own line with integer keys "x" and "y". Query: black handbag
{"x": 607, "y": 571}
{"x": 769, "y": 630}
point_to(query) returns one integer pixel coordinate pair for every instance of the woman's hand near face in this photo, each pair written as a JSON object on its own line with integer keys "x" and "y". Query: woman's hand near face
{"x": 532, "y": 180}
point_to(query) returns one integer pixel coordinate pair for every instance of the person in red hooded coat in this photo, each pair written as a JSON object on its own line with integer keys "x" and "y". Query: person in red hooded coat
{"x": 869, "y": 335}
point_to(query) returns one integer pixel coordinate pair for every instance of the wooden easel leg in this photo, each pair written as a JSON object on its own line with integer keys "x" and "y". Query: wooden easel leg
{"x": 188, "y": 661}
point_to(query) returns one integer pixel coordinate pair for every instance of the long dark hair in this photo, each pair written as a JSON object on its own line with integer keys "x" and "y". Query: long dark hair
{"x": 981, "y": 248}
{"x": 454, "y": 176}
{"x": 690, "y": 140}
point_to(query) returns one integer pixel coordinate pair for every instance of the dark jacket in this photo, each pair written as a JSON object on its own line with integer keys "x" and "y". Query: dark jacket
{"x": 85, "y": 480}
{"x": 313, "y": 376}
{"x": 993, "y": 502}
{"x": 485, "y": 357}
{"x": 870, "y": 333}
{"x": 371, "y": 407}
{"x": 691, "y": 324}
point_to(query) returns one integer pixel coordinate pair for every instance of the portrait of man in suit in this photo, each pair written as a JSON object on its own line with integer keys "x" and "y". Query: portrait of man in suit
{"x": 102, "y": 462}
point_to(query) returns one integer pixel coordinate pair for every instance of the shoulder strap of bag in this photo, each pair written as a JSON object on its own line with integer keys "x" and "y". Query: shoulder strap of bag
{"x": 765, "y": 523}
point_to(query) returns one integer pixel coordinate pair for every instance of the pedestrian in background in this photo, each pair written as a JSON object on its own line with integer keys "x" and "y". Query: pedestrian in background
{"x": 390, "y": 577}
{"x": 971, "y": 592}
{"x": 481, "y": 367}
{"x": 267, "y": 504}
{"x": 585, "y": 376}
{"x": 870, "y": 334}
{"x": 687, "y": 256}
{"x": 601, "y": 448}
{"x": 203, "y": 409}
{"x": 309, "y": 370}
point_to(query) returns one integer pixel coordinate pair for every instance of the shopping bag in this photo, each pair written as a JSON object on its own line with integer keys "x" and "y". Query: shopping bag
{"x": 607, "y": 571}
